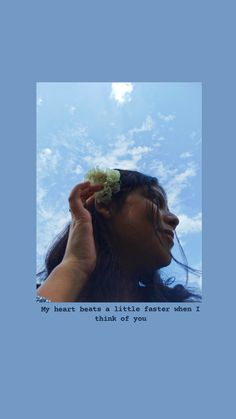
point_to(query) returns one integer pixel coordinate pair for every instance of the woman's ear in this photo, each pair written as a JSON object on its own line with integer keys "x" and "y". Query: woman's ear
{"x": 102, "y": 209}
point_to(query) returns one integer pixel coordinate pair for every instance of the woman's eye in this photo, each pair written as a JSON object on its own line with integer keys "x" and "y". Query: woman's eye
{"x": 159, "y": 202}
{"x": 155, "y": 201}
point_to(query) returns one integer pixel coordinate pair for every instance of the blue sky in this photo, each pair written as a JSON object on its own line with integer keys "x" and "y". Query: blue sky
{"x": 154, "y": 128}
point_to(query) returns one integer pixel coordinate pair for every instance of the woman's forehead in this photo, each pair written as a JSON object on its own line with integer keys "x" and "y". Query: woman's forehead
{"x": 159, "y": 191}
{"x": 151, "y": 191}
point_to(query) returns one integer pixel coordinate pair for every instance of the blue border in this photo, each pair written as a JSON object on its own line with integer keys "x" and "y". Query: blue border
{"x": 179, "y": 365}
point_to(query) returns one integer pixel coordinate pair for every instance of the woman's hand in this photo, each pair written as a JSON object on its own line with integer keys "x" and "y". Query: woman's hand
{"x": 68, "y": 278}
{"x": 80, "y": 249}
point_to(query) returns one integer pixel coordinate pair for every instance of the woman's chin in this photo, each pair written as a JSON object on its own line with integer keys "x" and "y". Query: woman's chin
{"x": 165, "y": 261}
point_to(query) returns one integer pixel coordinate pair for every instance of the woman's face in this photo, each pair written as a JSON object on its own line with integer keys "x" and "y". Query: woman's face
{"x": 138, "y": 245}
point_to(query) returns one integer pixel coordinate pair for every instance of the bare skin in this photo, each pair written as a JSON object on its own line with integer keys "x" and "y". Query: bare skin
{"x": 133, "y": 235}
{"x": 67, "y": 279}
{"x": 139, "y": 248}
{"x": 80, "y": 246}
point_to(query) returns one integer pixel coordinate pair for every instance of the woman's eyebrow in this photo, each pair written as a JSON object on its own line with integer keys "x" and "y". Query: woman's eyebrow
{"x": 162, "y": 198}
{"x": 159, "y": 194}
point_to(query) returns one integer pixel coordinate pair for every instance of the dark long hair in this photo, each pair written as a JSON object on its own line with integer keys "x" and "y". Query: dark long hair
{"x": 106, "y": 283}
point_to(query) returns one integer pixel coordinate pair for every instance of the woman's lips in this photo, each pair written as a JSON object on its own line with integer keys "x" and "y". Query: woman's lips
{"x": 169, "y": 235}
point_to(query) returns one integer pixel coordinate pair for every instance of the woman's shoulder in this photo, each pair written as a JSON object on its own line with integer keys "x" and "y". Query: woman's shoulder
{"x": 42, "y": 299}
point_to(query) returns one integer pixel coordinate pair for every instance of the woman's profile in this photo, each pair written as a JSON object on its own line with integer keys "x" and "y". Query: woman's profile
{"x": 120, "y": 236}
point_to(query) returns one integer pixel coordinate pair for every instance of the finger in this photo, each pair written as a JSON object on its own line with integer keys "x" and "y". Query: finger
{"x": 90, "y": 191}
{"x": 79, "y": 187}
{"x": 78, "y": 197}
{"x": 89, "y": 202}
{"x": 84, "y": 188}
{"x": 76, "y": 206}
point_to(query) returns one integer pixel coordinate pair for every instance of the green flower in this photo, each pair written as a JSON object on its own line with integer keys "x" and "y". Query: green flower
{"x": 110, "y": 180}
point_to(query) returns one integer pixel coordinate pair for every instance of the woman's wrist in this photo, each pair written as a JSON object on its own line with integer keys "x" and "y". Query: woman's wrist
{"x": 73, "y": 265}
{"x": 64, "y": 283}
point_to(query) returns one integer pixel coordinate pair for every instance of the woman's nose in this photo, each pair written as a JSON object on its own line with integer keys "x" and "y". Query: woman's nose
{"x": 171, "y": 219}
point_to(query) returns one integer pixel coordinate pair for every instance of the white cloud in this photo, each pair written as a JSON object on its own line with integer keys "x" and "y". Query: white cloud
{"x": 162, "y": 171}
{"x": 147, "y": 125}
{"x": 50, "y": 221}
{"x": 72, "y": 109}
{"x": 121, "y": 92}
{"x": 193, "y": 135}
{"x": 198, "y": 141}
{"x": 139, "y": 150}
{"x": 182, "y": 177}
{"x": 158, "y": 138}
{"x": 110, "y": 161}
{"x": 123, "y": 154}
{"x": 174, "y": 180}
{"x": 39, "y": 101}
{"x": 47, "y": 161}
{"x": 189, "y": 225}
{"x": 73, "y": 139}
{"x": 185, "y": 155}
{"x": 166, "y": 118}
{"x": 78, "y": 169}
{"x": 195, "y": 281}
{"x": 41, "y": 194}
{"x": 178, "y": 182}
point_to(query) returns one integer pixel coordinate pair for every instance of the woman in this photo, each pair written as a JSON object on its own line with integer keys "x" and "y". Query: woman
{"x": 120, "y": 235}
